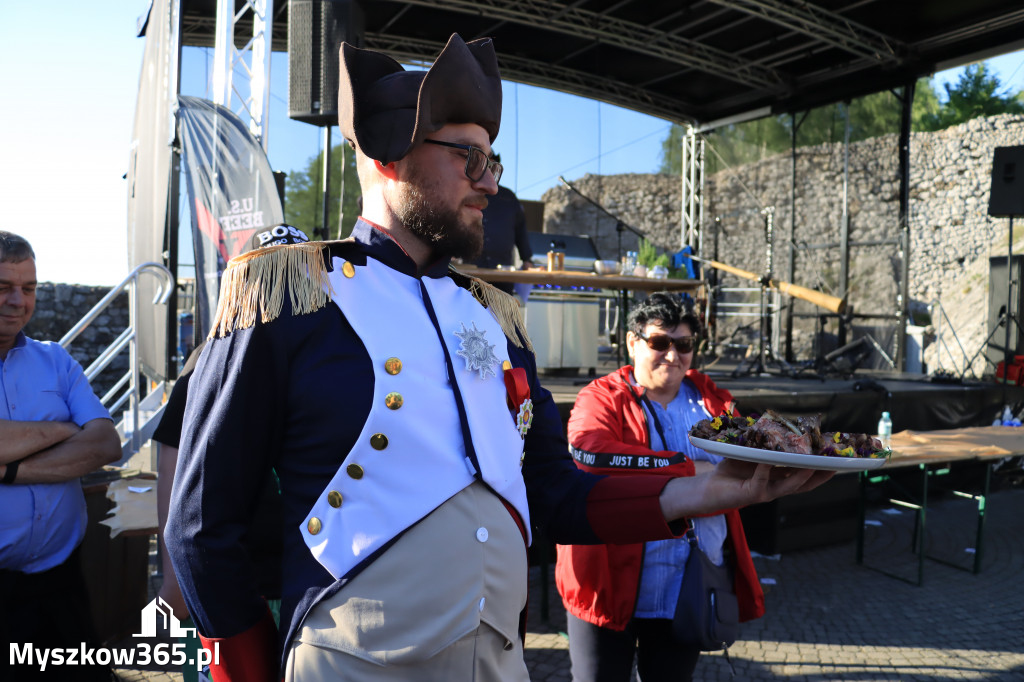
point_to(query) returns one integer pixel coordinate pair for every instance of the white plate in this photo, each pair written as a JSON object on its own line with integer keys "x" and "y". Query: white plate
{"x": 788, "y": 459}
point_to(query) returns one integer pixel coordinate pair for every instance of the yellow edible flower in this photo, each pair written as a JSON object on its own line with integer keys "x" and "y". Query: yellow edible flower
{"x": 716, "y": 423}
{"x": 751, "y": 421}
{"x": 847, "y": 452}
{"x": 835, "y": 437}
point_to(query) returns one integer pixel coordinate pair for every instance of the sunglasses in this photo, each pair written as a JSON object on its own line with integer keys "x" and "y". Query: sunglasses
{"x": 477, "y": 162}
{"x": 661, "y": 342}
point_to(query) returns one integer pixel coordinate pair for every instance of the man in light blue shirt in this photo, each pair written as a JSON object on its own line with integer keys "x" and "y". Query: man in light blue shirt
{"x": 53, "y": 429}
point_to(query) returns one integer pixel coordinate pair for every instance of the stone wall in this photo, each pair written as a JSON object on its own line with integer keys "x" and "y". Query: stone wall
{"x": 952, "y": 237}
{"x": 59, "y": 307}
{"x": 951, "y": 234}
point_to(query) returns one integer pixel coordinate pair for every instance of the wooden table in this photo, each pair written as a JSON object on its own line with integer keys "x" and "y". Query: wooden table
{"x": 115, "y": 567}
{"x": 932, "y": 453}
{"x": 949, "y": 445}
{"x": 568, "y": 278}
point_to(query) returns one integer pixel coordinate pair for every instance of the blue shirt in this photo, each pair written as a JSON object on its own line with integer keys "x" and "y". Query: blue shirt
{"x": 665, "y": 560}
{"x": 42, "y": 523}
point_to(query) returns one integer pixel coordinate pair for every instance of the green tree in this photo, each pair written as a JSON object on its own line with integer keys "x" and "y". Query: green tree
{"x": 671, "y": 151}
{"x": 303, "y": 206}
{"x": 926, "y": 105}
{"x": 728, "y": 146}
{"x": 869, "y": 116}
{"x": 975, "y": 94}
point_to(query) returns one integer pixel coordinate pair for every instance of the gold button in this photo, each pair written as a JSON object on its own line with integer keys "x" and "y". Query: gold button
{"x": 348, "y": 270}
{"x": 355, "y": 471}
{"x": 393, "y": 400}
{"x": 334, "y": 499}
{"x": 392, "y": 366}
{"x": 378, "y": 441}
{"x": 506, "y": 365}
{"x": 314, "y": 526}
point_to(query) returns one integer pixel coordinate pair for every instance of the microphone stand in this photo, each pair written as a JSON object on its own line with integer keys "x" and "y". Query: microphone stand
{"x": 620, "y": 227}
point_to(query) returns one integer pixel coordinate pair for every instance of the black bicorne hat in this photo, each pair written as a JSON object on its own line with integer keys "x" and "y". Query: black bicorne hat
{"x": 386, "y": 110}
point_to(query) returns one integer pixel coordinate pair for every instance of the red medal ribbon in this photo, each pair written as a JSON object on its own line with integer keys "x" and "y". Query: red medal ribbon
{"x": 517, "y": 386}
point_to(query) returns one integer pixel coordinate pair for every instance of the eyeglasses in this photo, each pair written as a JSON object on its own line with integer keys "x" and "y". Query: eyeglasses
{"x": 661, "y": 342}
{"x": 476, "y": 161}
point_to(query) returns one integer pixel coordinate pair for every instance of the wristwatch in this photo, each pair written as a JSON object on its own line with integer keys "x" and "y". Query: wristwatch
{"x": 11, "y": 472}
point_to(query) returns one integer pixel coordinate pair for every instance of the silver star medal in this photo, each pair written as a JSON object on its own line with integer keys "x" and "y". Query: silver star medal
{"x": 478, "y": 353}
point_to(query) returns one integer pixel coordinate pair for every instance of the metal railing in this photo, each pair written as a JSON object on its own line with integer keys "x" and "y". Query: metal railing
{"x": 740, "y": 303}
{"x": 130, "y": 384}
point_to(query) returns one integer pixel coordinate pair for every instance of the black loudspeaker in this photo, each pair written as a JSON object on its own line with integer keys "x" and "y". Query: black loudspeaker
{"x": 279, "y": 181}
{"x": 1006, "y": 199}
{"x": 316, "y": 30}
{"x": 998, "y": 288}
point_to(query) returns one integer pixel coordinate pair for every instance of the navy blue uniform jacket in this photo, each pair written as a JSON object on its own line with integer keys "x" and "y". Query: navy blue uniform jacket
{"x": 292, "y": 394}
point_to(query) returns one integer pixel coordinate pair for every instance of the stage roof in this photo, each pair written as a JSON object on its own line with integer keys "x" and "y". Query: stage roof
{"x": 687, "y": 60}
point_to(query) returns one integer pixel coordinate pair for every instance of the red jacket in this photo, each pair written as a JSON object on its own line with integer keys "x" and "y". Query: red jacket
{"x": 599, "y": 583}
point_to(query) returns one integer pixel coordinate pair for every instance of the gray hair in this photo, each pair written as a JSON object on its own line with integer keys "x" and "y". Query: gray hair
{"x": 14, "y": 248}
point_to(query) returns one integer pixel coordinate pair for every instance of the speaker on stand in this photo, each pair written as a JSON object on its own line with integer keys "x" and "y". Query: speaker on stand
{"x": 1000, "y": 280}
{"x": 316, "y": 30}
{"x": 1006, "y": 200}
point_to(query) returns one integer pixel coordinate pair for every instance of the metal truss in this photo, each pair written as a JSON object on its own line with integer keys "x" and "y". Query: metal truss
{"x": 822, "y": 25}
{"x": 253, "y": 59}
{"x": 608, "y": 30}
{"x": 543, "y": 75}
{"x": 692, "y": 189}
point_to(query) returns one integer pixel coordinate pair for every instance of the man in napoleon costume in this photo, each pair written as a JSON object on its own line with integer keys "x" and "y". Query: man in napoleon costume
{"x": 398, "y": 402}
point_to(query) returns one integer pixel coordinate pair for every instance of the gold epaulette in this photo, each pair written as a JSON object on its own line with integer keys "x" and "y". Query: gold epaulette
{"x": 503, "y": 306}
{"x": 254, "y": 284}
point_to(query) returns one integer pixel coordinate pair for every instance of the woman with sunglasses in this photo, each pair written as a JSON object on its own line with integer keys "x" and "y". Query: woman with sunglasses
{"x": 621, "y": 599}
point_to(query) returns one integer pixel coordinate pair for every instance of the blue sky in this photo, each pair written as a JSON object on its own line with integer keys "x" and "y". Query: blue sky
{"x": 69, "y": 103}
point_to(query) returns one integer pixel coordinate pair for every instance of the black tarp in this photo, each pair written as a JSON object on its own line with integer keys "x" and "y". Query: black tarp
{"x": 231, "y": 191}
{"x": 855, "y": 404}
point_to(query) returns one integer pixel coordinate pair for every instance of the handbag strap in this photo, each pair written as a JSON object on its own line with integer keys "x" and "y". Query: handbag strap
{"x": 691, "y": 535}
{"x": 654, "y": 417}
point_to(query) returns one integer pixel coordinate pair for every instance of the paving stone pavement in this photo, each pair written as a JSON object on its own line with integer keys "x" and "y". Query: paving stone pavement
{"x": 830, "y": 619}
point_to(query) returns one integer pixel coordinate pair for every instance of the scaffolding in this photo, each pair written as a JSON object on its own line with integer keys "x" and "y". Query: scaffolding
{"x": 253, "y": 59}
{"x": 839, "y": 251}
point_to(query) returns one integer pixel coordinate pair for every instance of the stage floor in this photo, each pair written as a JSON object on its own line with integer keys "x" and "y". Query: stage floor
{"x": 848, "y": 404}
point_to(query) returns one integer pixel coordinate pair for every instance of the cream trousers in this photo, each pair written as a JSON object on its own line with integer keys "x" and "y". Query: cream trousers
{"x": 441, "y": 605}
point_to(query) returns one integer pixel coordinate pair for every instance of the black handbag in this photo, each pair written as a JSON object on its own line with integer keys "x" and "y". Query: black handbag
{"x": 707, "y": 614}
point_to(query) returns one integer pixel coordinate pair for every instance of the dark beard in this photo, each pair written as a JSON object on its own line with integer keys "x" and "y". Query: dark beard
{"x": 440, "y": 228}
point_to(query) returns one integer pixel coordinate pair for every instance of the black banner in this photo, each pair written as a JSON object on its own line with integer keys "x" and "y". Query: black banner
{"x": 231, "y": 190}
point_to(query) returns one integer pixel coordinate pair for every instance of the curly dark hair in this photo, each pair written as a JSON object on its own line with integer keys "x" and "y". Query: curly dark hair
{"x": 14, "y": 249}
{"x": 667, "y": 310}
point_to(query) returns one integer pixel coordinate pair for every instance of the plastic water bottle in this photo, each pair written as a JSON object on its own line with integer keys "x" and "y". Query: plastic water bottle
{"x": 885, "y": 430}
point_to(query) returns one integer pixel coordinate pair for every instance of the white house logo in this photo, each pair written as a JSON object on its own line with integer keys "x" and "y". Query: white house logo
{"x": 157, "y": 615}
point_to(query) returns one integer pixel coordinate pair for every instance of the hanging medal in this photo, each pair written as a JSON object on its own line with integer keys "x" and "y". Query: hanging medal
{"x": 518, "y": 398}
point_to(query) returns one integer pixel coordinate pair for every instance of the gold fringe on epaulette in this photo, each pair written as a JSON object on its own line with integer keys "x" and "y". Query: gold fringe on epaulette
{"x": 505, "y": 309}
{"x": 254, "y": 284}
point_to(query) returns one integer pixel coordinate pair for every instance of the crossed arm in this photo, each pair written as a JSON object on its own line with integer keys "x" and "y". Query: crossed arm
{"x": 18, "y": 440}
{"x": 53, "y": 452}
